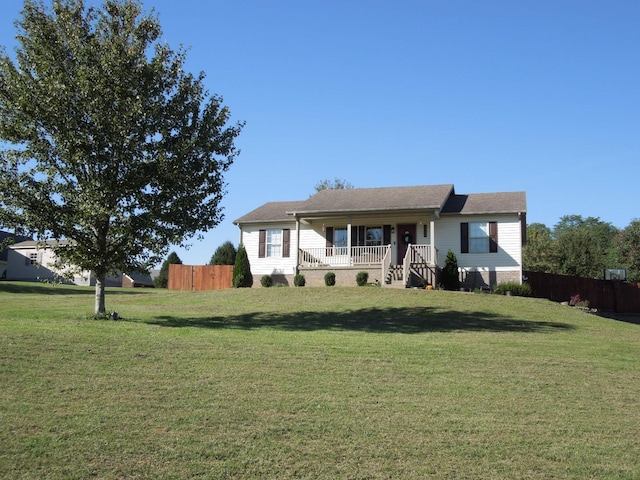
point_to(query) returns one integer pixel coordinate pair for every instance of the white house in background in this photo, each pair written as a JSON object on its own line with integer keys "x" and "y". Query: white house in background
{"x": 33, "y": 261}
{"x": 400, "y": 235}
{"x": 10, "y": 238}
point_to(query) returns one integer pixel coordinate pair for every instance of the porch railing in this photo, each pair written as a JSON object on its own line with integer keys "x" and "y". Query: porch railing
{"x": 416, "y": 255}
{"x": 342, "y": 256}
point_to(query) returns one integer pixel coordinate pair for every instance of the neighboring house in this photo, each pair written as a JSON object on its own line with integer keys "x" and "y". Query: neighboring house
{"x": 400, "y": 235}
{"x": 4, "y": 249}
{"x": 35, "y": 261}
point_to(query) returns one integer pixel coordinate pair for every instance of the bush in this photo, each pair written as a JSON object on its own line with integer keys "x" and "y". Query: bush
{"x": 299, "y": 280}
{"x": 329, "y": 279}
{"x": 362, "y": 278}
{"x": 242, "y": 276}
{"x": 266, "y": 281}
{"x": 225, "y": 254}
{"x": 450, "y": 278}
{"x": 162, "y": 280}
{"x": 516, "y": 289}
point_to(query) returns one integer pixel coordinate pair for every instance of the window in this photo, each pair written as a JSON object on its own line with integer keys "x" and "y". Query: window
{"x": 373, "y": 236}
{"x": 274, "y": 243}
{"x": 33, "y": 258}
{"x": 479, "y": 237}
{"x": 340, "y": 237}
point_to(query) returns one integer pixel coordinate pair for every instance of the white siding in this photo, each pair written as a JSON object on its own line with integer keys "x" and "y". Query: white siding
{"x": 268, "y": 265}
{"x": 19, "y": 266}
{"x": 508, "y": 257}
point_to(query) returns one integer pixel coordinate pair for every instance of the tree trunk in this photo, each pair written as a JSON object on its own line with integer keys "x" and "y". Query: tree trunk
{"x": 100, "y": 305}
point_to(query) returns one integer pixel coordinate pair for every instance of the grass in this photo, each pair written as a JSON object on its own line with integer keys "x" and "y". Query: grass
{"x": 323, "y": 383}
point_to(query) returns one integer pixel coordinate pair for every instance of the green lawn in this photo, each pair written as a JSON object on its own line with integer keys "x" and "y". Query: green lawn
{"x": 318, "y": 383}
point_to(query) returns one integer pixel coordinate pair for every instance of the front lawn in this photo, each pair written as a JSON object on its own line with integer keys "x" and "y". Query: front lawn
{"x": 322, "y": 383}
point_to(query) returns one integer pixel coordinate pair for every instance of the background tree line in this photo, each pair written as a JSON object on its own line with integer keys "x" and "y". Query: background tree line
{"x": 583, "y": 247}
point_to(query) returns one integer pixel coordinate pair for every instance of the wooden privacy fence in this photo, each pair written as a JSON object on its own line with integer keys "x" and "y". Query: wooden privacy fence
{"x": 615, "y": 296}
{"x": 200, "y": 277}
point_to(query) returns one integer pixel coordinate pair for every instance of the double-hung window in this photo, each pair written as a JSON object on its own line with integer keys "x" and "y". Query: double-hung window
{"x": 373, "y": 236}
{"x": 274, "y": 242}
{"x": 340, "y": 240}
{"x": 479, "y": 237}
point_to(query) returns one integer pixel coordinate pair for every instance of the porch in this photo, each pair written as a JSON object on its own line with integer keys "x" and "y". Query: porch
{"x": 418, "y": 266}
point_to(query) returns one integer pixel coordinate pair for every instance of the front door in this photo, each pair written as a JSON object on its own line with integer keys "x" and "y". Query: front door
{"x": 406, "y": 236}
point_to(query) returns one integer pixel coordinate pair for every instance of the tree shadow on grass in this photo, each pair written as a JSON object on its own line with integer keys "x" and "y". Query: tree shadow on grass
{"x": 374, "y": 320}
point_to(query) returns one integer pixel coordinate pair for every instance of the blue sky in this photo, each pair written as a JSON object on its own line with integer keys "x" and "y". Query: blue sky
{"x": 541, "y": 96}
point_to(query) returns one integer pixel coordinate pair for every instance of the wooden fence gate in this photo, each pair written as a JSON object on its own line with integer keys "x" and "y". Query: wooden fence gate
{"x": 200, "y": 277}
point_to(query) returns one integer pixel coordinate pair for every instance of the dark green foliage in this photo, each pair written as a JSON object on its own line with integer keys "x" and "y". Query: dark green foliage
{"x": 242, "y": 277}
{"x": 584, "y": 246}
{"x": 576, "y": 246}
{"x": 106, "y": 139}
{"x": 329, "y": 279}
{"x": 515, "y": 289}
{"x": 266, "y": 281}
{"x": 450, "y": 277}
{"x": 539, "y": 254}
{"x": 299, "y": 280}
{"x": 162, "y": 280}
{"x": 362, "y": 278}
{"x": 225, "y": 254}
{"x": 627, "y": 245}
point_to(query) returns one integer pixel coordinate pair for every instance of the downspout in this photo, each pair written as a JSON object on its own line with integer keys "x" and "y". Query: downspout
{"x": 520, "y": 217}
{"x": 434, "y": 255}
{"x": 432, "y": 237}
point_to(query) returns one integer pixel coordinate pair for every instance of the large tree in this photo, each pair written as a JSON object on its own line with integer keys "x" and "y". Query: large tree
{"x": 628, "y": 250}
{"x": 539, "y": 253}
{"x": 585, "y": 246}
{"x": 111, "y": 143}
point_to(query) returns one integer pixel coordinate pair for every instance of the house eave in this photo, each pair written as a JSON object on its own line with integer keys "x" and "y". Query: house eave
{"x": 486, "y": 212}
{"x": 362, "y": 211}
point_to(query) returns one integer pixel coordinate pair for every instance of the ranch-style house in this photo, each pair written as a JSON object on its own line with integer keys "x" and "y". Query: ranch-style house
{"x": 399, "y": 235}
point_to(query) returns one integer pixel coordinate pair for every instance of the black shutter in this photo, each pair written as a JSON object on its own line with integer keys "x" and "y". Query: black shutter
{"x": 464, "y": 237}
{"x": 328, "y": 233}
{"x": 493, "y": 237}
{"x": 523, "y": 228}
{"x": 286, "y": 240}
{"x": 262, "y": 239}
{"x": 386, "y": 235}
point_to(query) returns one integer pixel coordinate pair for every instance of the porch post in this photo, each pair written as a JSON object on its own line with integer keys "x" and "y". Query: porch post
{"x": 432, "y": 239}
{"x": 349, "y": 238}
